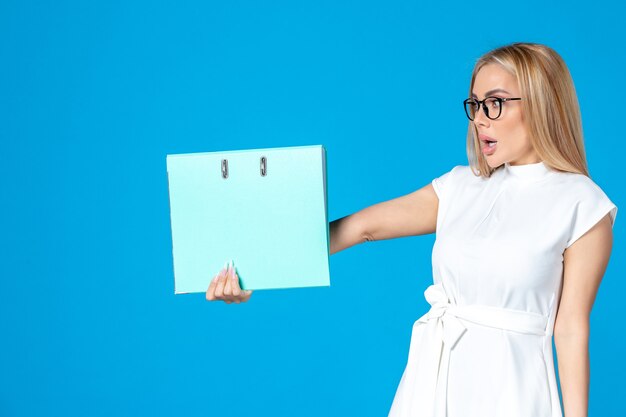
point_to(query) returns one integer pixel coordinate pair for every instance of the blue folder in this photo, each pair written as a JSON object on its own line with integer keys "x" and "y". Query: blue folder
{"x": 264, "y": 209}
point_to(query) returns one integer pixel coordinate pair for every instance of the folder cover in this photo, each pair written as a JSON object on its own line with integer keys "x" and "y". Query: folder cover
{"x": 266, "y": 209}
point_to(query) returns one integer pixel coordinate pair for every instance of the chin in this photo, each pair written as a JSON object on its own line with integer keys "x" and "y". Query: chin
{"x": 493, "y": 163}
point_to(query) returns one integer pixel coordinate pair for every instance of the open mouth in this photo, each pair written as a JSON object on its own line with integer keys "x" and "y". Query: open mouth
{"x": 489, "y": 142}
{"x": 488, "y": 146}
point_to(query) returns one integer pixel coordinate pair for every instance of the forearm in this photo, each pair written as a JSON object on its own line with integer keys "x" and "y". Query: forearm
{"x": 573, "y": 362}
{"x": 345, "y": 232}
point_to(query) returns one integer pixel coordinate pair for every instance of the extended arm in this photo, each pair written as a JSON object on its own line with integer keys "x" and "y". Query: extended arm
{"x": 584, "y": 264}
{"x": 409, "y": 215}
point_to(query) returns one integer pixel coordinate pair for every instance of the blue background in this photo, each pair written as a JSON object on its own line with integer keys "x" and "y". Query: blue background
{"x": 93, "y": 95}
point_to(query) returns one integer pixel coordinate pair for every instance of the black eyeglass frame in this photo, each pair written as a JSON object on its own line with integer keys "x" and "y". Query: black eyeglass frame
{"x": 481, "y": 103}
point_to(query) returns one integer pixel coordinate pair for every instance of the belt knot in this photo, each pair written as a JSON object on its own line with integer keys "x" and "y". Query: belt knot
{"x": 448, "y": 318}
{"x": 443, "y": 309}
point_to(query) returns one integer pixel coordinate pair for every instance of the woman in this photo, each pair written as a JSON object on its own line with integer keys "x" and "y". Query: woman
{"x": 522, "y": 232}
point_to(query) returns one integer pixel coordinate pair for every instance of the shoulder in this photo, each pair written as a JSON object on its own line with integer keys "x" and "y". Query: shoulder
{"x": 466, "y": 175}
{"x": 457, "y": 174}
{"x": 446, "y": 179}
{"x": 459, "y": 177}
{"x": 576, "y": 187}
{"x": 585, "y": 200}
{"x": 461, "y": 172}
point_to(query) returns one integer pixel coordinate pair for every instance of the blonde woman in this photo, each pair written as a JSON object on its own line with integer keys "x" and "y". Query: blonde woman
{"x": 523, "y": 238}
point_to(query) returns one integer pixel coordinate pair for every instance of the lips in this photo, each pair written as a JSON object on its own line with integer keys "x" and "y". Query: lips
{"x": 485, "y": 138}
{"x": 486, "y": 149}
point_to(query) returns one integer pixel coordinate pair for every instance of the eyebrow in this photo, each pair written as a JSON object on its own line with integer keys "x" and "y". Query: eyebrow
{"x": 490, "y": 92}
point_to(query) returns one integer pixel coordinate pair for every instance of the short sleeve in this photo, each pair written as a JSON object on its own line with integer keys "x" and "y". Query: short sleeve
{"x": 440, "y": 183}
{"x": 591, "y": 206}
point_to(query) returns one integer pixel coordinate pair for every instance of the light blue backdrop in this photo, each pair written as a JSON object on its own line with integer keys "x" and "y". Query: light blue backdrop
{"x": 93, "y": 95}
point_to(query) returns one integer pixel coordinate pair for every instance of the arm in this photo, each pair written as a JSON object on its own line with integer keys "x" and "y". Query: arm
{"x": 584, "y": 264}
{"x": 409, "y": 215}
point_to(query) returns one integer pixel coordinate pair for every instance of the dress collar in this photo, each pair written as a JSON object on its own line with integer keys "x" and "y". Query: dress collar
{"x": 530, "y": 172}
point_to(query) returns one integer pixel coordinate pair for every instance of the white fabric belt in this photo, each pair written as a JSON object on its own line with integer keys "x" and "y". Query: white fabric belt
{"x": 450, "y": 329}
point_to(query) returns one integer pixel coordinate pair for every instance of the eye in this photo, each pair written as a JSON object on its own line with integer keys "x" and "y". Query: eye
{"x": 493, "y": 103}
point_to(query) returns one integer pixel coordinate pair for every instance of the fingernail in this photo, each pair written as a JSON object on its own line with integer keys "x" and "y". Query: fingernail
{"x": 232, "y": 272}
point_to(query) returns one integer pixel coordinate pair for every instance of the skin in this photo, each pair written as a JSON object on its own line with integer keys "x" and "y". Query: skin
{"x": 584, "y": 262}
{"x": 513, "y": 144}
{"x": 225, "y": 287}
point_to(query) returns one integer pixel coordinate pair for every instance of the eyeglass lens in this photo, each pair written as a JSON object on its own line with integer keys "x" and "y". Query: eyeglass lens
{"x": 492, "y": 107}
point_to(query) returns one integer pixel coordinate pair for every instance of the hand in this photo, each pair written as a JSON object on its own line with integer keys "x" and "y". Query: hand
{"x": 225, "y": 287}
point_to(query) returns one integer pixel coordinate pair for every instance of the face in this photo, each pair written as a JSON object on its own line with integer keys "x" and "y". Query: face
{"x": 512, "y": 142}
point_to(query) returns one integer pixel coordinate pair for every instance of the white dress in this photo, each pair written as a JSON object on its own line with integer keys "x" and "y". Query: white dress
{"x": 484, "y": 349}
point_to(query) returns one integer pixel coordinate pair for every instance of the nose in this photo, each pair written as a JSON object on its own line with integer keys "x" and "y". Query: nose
{"x": 480, "y": 118}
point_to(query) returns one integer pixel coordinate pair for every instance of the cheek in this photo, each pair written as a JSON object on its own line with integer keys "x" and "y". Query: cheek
{"x": 517, "y": 132}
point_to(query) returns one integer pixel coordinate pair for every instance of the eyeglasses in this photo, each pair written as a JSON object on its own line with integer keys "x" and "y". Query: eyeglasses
{"x": 489, "y": 104}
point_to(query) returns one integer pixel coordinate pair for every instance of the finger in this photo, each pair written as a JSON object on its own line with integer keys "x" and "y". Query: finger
{"x": 245, "y": 295}
{"x": 236, "y": 289}
{"x": 228, "y": 292}
{"x": 210, "y": 292}
{"x": 219, "y": 288}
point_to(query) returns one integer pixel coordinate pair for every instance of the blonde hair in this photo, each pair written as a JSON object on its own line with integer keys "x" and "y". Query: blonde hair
{"x": 550, "y": 108}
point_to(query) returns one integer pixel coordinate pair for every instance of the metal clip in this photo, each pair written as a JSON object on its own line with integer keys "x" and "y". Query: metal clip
{"x": 263, "y": 166}
{"x": 224, "y": 168}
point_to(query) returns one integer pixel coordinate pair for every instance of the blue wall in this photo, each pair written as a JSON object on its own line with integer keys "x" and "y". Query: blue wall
{"x": 93, "y": 95}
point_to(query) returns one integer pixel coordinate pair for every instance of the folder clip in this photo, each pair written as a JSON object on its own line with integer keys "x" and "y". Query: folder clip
{"x": 224, "y": 168}
{"x": 263, "y": 167}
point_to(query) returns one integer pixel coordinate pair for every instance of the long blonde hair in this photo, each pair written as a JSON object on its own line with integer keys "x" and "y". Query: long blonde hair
{"x": 550, "y": 110}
